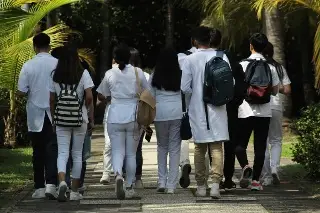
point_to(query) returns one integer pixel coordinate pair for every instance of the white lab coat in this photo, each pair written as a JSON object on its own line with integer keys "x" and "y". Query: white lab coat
{"x": 192, "y": 82}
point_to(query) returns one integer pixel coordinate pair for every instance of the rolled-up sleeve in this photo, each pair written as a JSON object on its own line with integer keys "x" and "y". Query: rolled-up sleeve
{"x": 103, "y": 88}
{"x": 186, "y": 79}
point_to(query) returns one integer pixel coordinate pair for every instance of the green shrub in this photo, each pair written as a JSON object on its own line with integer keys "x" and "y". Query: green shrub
{"x": 21, "y": 119}
{"x": 307, "y": 150}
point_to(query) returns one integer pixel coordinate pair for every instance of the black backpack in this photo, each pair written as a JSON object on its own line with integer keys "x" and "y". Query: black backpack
{"x": 218, "y": 87}
{"x": 259, "y": 82}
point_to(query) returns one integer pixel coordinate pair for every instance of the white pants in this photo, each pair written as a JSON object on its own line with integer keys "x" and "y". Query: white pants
{"x": 124, "y": 142}
{"x": 107, "y": 162}
{"x": 274, "y": 145}
{"x": 184, "y": 155}
{"x": 169, "y": 142}
{"x": 64, "y": 139}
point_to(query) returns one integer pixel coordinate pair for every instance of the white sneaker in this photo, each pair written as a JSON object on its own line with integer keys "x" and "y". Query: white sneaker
{"x": 161, "y": 188}
{"x": 138, "y": 184}
{"x": 51, "y": 192}
{"x": 267, "y": 181}
{"x": 39, "y": 193}
{"x": 201, "y": 191}
{"x": 170, "y": 191}
{"x": 215, "y": 191}
{"x": 119, "y": 188}
{"x": 105, "y": 179}
{"x": 62, "y": 197}
{"x": 75, "y": 196}
{"x": 130, "y": 193}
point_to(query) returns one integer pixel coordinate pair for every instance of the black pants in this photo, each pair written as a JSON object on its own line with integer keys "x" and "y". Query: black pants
{"x": 260, "y": 127}
{"x": 45, "y": 153}
{"x": 139, "y": 158}
{"x": 229, "y": 146}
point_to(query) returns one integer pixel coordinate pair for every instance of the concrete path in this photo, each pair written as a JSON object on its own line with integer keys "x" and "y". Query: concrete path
{"x": 99, "y": 198}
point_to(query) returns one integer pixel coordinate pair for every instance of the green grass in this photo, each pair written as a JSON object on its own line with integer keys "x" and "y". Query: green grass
{"x": 15, "y": 171}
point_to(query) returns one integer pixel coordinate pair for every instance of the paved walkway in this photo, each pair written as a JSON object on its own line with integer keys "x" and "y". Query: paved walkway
{"x": 99, "y": 198}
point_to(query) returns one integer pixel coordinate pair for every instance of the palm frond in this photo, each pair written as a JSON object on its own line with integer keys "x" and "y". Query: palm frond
{"x": 316, "y": 56}
{"x": 15, "y": 56}
{"x": 88, "y": 56}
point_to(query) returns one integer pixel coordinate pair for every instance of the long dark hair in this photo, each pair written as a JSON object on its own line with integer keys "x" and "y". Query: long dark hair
{"x": 135, "y": 59}
{"x": 121, "y": 55}
{"x": 167, "y": 73}
{"x": 268, "y": 53}
{"x": 69, "y": 70}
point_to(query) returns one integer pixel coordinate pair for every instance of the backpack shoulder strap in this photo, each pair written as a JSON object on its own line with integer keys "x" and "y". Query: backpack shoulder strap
{"x": 183, "y": 101}
{"x": 187, "y": 52}
{"x": 220, "y": 54}
{"x": 138, "y": 82}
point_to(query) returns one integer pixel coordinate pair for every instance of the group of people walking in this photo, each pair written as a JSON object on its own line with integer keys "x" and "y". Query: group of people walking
{"x": 250, "y": 102}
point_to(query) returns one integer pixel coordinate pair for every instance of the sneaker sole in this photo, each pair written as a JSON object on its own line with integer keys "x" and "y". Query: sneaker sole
{"x": 216, "y": 197}
{"x": 120, "y": 192}
{"x": 256, "y": 189}
{"x": 50, "y": 196}
{"x": 245, "y": 180}
{"x": 62, "y": 194}
{"x": 276, "y": 180}
{"x": 185, "y": 179}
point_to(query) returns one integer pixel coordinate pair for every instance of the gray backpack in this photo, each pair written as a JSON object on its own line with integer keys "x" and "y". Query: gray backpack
{"x": 68, "y": 110}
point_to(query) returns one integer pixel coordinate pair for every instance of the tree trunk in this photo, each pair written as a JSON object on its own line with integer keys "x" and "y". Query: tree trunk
{"x": 170, "y": 28}
{"x": 10, "y": 123}
{"x": 274, "y": 29}
{"x": 105, "y": 57}
{"x": 52, "y": 18}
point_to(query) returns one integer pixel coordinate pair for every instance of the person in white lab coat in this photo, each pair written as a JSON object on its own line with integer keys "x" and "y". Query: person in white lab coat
{"x": 184, "y": 154}
{"x": 192, "y": 82}
{"x": 165, "y": 86}
{"x": 33, "y": 80}
{"x": 123, "y": 130}
{"x": 274, "y": 144}
{"x": 254, "y": 118}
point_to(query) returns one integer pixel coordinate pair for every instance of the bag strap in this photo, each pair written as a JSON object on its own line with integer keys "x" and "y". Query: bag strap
{"x": 220, "y": 54}
{"x": 207, "y": 116}
{"x": 183, "y": 101}
{"x": 138, "y": 82}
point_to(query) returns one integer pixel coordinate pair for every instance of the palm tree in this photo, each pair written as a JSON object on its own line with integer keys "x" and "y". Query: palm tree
{"x": 312, "y": 5}
{"x": 16, "y": 31}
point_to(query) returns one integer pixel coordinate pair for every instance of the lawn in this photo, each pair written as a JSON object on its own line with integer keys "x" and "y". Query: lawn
{"x": 15, "y": 171}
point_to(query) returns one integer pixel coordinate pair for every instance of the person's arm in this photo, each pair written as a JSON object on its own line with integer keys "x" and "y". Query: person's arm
{"x": 23, "y": 83}
{"x": 52, "y": 102}
{"x": 275, "y": 81}
{"x": 89, "y": 104}
{"x": 186, "y": 79}
{"x": 286, "y": 88}
{"x": 104, "y": 94}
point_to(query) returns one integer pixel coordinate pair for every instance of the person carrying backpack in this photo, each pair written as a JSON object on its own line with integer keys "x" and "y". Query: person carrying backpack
{"x": 272, "y": 159}
{"x": 255, "y": 111}
{"x": 232, "y": 111}
{"x": 71, "y": 105}
{"x": 201, "y": 73}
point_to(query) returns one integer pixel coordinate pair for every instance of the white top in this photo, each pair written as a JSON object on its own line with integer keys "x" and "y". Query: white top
{"x": 85, "y": 83}
{"x": 168, "y": 104}
{"x": 34, "y": 79}
{"x": 192, "y": 82}
{"x": 258, "y": 110}
{"x": 277, "y": 101}
{"x": 121, "y": 86}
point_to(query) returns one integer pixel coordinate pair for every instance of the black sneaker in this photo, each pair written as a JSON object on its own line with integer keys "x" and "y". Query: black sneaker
{"x": 185, "y": 179}
{"x": 229, "y": 185}
{"x": 245, "y": 177}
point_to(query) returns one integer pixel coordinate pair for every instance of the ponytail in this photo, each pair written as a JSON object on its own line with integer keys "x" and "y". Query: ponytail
{"x": 122, "y": 65}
